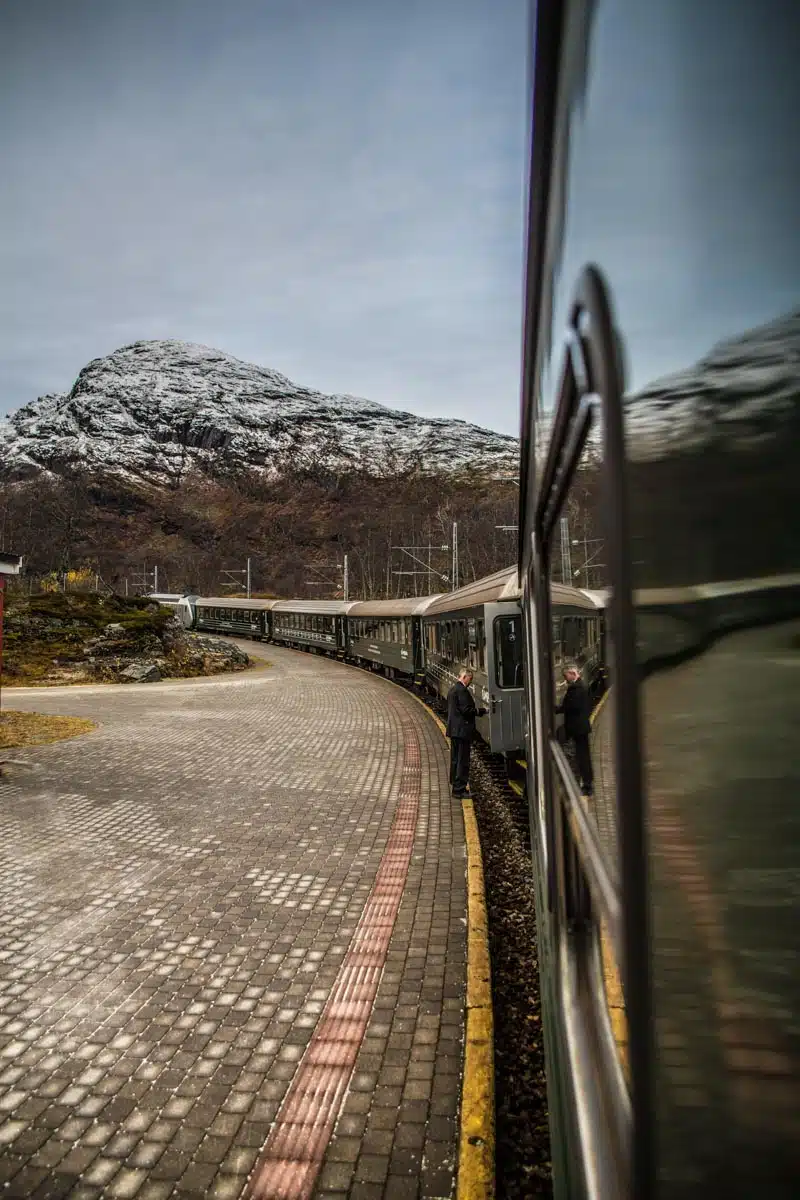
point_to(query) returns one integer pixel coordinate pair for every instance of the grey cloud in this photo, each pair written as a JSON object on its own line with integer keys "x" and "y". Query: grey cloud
{"x": 331, "y": 190}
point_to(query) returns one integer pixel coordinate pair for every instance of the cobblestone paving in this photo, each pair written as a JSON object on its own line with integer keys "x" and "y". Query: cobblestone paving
{"x": 178, "y": 891}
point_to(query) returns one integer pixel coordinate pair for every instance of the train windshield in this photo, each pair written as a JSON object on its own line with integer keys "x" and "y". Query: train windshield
{"x": 508, "y": 651}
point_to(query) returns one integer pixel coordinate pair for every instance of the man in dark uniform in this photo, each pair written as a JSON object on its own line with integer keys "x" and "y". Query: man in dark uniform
{"x": 461, "y": 714}
{"x": 577, "y": 710}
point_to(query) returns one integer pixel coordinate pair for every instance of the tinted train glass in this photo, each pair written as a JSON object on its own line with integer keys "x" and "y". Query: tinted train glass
{"x": 675, "y": 167}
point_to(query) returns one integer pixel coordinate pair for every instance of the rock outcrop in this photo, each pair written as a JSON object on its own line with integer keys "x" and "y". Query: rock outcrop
{"x": 69, "y": 639}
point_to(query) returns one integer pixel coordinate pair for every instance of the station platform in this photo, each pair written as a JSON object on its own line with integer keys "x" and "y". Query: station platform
{"x": 233, "y": 932}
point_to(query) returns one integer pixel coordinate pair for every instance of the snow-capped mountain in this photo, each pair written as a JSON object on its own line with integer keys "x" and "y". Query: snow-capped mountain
{"x": 155, "y": 409}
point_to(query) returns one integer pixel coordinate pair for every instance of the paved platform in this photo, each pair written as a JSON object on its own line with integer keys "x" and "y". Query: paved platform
{"x": 232, "y": 943}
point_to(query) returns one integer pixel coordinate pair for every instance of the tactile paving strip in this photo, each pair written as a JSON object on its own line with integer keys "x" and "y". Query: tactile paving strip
{"x": 293, "y": 1153}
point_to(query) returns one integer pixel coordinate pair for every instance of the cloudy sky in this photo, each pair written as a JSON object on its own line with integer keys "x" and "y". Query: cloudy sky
{"x": 332, "y": 188}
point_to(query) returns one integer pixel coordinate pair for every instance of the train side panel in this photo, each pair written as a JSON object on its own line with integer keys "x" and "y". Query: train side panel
{"x": 660, "y": 433}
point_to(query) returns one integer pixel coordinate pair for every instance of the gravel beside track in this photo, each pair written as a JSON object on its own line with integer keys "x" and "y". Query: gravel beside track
{"x": 523, "y": 1165}
{"x": 523, "y": 1139}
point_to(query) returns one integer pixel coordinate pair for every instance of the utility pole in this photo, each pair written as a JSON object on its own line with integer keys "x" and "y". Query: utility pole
{"x": 454, "y": 578}
{"x": 243, "y": 582}
{"x": 566, "y": 556}
{"x": 589, "y": 563}
{"x": 346, "y": 580}
{"x": 413, "y": 553}
{"x": 141, "y": 579}
{"x": 321, "y": 581}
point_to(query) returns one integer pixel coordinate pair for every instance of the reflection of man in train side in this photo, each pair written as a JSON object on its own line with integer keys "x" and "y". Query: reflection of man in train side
{"x": 576, "y": 707}
{"x": 461, "y": 714}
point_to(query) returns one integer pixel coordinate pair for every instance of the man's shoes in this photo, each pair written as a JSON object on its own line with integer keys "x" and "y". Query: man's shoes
{"x": 459, "y": 795}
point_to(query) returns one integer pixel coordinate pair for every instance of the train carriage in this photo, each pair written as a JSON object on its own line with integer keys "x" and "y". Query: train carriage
{"x": 479, "y": 626}
{"x": 227, "y": 614}
{"x": 387, "y": 634}
{"x": 318, "y": 625}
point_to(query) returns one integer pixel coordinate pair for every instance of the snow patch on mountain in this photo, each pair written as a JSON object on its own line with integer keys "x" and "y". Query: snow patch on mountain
{"x": 154, "y": 410}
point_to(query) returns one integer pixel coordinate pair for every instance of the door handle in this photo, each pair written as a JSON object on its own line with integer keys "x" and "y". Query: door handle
{"x": 495, "y": 701}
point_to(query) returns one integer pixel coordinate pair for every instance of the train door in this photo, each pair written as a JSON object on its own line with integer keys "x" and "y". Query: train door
{"x": 504, "y": 691}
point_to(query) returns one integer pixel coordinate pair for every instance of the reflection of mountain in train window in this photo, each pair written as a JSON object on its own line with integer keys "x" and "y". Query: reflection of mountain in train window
{"x": 508, "y": 651}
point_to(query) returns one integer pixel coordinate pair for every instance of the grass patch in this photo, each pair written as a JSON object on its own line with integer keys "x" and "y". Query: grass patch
{"x": 36, "y": 729}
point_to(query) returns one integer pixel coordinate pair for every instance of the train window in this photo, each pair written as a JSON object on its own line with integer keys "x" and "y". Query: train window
{"x": 572, "y": 640}
{"x": 508, "y": 651}
{"x": 480, "y": 658}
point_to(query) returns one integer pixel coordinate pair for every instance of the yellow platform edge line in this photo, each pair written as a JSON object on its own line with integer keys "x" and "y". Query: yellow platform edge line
{"x": 476, "y": 1141}
{"x": 476, "y": 1136}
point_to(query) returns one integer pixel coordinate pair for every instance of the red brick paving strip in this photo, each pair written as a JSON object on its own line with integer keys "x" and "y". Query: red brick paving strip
{"x": 293, "y": 1154}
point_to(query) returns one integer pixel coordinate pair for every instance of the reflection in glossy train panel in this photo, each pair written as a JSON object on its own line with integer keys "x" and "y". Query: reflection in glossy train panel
{"x": 677, "y": 160}
{"x": 670, "y": 158}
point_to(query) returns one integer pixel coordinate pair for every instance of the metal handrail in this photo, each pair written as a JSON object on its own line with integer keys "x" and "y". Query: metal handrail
{"x": 590, "y": 851}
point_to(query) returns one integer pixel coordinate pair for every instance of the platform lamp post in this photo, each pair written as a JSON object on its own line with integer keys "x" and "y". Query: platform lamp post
{"x": 9, "y": 565}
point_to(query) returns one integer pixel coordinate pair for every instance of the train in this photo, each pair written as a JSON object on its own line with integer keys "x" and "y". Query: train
{"x": 426, "y": 640}
{"x": 660, "y": 382}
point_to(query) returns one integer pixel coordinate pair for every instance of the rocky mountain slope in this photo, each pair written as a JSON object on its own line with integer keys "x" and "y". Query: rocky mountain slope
{"x": 742, "y": 395}
{"x": 154, "y": 410}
